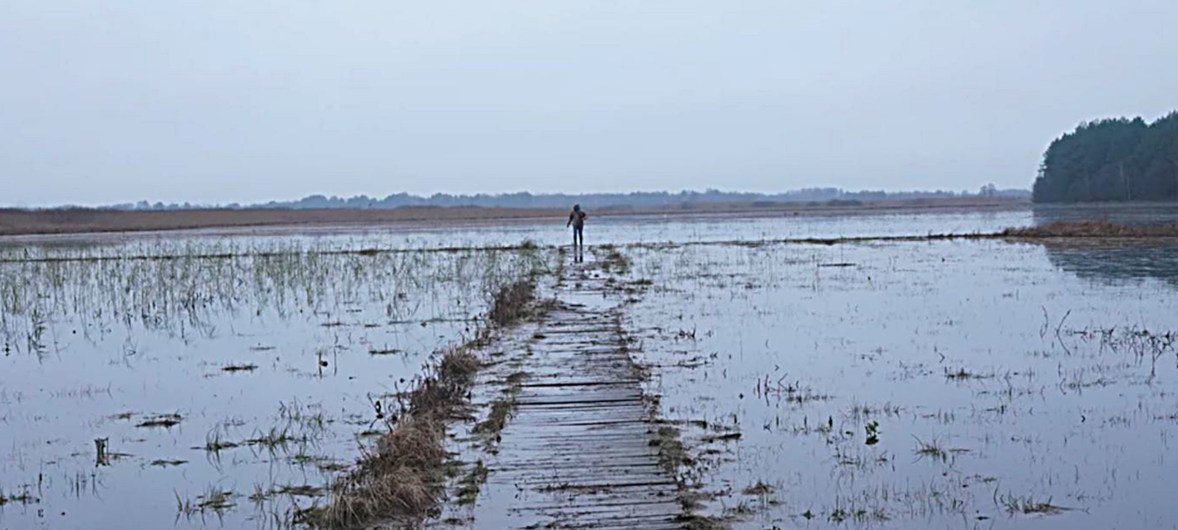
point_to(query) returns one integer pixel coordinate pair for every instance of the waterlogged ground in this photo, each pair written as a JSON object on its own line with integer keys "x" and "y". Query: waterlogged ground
{"x": 221, "y": 378}
{"x": 218, "y": 383}
{"x": 919, "y": 385}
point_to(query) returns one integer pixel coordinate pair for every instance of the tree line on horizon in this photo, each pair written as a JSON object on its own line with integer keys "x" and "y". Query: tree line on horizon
{"x": 1115, "y": 159}
{"x": 564, "y": 200}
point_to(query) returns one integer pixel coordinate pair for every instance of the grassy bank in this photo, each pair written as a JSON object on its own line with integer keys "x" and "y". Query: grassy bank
{"x": 401, "y": 477}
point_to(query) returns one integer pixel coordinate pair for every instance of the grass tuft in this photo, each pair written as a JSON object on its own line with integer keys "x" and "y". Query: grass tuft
{"x": 512, "y": 302}
{"x": 161, "y": 420}
{"x": 1029, "y": 506}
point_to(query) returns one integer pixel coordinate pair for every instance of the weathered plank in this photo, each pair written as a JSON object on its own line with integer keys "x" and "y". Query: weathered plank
{"x": 578, "y": 450}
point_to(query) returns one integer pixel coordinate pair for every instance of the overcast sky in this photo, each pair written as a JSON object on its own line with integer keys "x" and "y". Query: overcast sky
{"x": 218, "y": 101}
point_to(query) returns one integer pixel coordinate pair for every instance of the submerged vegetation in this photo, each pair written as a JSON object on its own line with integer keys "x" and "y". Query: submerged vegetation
{"x": 187, "y": 289}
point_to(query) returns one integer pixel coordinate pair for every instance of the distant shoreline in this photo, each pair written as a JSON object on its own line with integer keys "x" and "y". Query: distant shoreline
{"x": 15, "y": 222}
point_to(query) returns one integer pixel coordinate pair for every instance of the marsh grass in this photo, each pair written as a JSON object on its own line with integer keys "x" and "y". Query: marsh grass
{"x": 398, "y": 477}
{"x": 511, "y": 302}
{"x": 190, "y": 292}
{"x": 612, "y": 260}
{"x": 161, "y": 420}
{"x": 167, "y": 462}
{"x": 936, "y": 450}
{"x": 1091, "y": 229}
{"x": 843, "y": 514}
{"x": 300, "y": 490}
{"x": 863, "y": 411}
{"x": 1029, "y": 505}
{"x": 760, "y": 488}
{"x": 215, "y": 442}
{"x": 469, "y": 486}
{"x": 931, "y": 449}
{"x": 183, "y": 289}
{"x": 213, "y": 500}
{"x": 274, "y": 438}
{"x": 961, "y": 374}
{"x": 1134, "y": 340}
{"x": 404, "y": 474}
{"x": 792, "y": 392}
{"x": 24, "y": 497}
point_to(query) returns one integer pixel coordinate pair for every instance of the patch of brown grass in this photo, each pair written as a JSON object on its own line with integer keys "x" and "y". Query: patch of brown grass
{"x": 511, "y": 302}
{"x": 398, "y": 478}
{"x": 612, "y": 260}
{"x": 671, "y": 451}
{"x": 1091, "y": 229}
{"x": 402, "y": 476}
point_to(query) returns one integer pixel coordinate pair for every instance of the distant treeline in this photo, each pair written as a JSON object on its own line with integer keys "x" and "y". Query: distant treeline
{"x": 561, "y": 200}
{"x": 1112, "y": 160}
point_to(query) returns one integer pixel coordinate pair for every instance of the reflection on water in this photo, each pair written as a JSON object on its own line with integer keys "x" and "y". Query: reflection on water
{"x": 1136, "y": 213}
{"x": 1107, "y": 261}
{"x": 1115, "y": 263}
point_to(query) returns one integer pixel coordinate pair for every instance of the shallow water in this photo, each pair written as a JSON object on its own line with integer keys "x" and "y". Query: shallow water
{"x": 970, "y": 356}
{"x": 97, "y": 347}
{"x": 285, "y": 357}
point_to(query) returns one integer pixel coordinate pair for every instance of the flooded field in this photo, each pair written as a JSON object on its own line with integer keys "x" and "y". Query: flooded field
{"x": 213, "y": 382}
{"x": 222, "y": 379}
{"x": 919, "y": 385}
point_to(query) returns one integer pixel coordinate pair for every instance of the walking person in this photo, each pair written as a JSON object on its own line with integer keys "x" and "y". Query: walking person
{"x": 577, "y": 221}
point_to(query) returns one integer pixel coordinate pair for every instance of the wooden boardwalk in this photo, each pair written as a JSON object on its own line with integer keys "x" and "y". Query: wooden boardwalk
{"x": 579, "y": 449}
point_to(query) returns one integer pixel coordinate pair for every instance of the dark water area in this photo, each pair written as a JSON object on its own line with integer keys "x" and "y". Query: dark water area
{"x": 1153, "y": 213}
{"x": 1104, "y": 261}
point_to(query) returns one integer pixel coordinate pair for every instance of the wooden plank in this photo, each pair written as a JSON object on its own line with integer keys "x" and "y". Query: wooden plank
{"x": 578, "y": 450}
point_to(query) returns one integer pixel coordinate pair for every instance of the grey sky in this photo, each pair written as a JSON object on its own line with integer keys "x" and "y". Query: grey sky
{"x": 217, "y": 101}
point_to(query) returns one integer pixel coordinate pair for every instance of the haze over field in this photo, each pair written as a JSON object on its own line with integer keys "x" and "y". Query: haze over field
{"x": 219, "y": 102}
